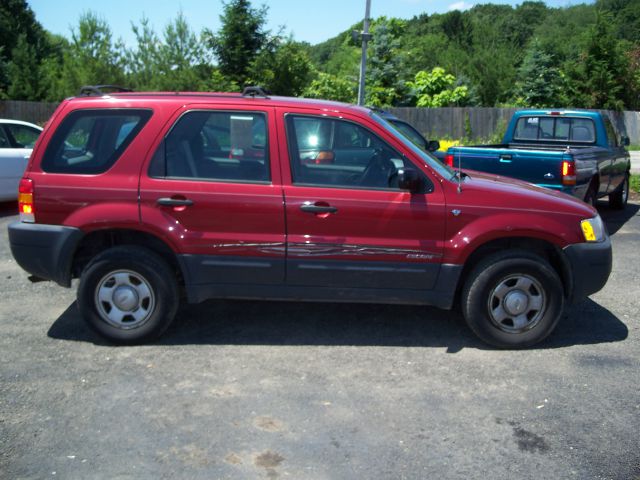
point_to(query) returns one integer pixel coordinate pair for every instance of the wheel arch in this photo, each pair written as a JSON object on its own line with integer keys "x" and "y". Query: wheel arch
{"x": 547, "y": 250}
{"x": 98, "y": 241}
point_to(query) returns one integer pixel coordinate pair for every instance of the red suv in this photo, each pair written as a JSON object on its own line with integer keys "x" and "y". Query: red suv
{"x": 151, "y": 197}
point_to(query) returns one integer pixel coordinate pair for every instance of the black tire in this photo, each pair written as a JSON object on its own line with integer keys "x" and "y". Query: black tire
{"x": 512, "y": 299}
{"x": 128, "y": 294}
{"x": 618, "y": 199}
{"x": 591, "y": 197}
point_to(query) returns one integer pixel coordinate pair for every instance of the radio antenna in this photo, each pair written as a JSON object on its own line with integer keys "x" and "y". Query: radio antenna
{"x": 459, "y": 172}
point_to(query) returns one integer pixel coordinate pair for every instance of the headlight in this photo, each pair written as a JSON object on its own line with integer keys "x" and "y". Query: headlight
{"x": 593, "y": 229}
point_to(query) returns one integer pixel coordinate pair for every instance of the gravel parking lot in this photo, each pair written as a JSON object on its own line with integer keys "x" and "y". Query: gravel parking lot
{"x": 243, "y": 390}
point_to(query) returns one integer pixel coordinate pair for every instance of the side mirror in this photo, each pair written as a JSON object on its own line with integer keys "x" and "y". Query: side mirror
{"x": 624, "y": 141}
{"x": 408, "y": 179}
{"x": 433, "y": 145}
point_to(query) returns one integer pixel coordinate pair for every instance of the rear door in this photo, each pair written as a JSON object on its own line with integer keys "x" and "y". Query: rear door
{"x": 349, "y": 225}
{"x": 213, "y": 189}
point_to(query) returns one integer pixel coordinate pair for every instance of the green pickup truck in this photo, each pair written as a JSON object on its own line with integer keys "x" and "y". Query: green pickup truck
{"x": 576, "y": 152}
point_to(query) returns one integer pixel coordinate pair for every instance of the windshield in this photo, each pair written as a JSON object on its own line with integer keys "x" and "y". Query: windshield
{"x": 409, "y": 132}
{"x": 426, "y": 157}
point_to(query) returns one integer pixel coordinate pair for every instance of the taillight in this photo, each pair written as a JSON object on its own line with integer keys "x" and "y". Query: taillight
{"x": 568, "y": 172}
{"x": 25, "y": 201}
{"x": 448, "y": 160}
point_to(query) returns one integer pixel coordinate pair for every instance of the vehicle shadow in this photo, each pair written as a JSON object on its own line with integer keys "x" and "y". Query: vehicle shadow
{"x": 323, "y": 324}
{"x": 8, "y": 209}
{"x": 615, "y": 219}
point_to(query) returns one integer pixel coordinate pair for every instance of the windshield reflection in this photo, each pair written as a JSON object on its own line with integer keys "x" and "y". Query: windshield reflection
{"x": 426, "y": 157}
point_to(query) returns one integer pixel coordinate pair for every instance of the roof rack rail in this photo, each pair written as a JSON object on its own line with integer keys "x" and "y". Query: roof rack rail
{"x": 255, "y": 92}
{"x": 91, "y": 90}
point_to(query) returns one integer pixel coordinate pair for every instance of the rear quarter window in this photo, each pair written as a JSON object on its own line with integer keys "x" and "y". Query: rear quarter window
{"x": 91, "y": 141}
{"x": 555, "y": 129}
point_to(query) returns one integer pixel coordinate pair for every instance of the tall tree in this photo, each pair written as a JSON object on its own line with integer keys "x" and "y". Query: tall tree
{"x": 539, "y": 82}
{"x": 143, "y": 61}
{"x": 22, "y": 35}
{"x": 598, "y": 78}
{"x": 283, "y": 67}
{"x": 239, "y": 40}
{"x": 17, "y": 18}
{"x": 385, "y": 74}
{"x": 182, "y": 64}
{"x": 92, "y": 58}
{"x": 24, "y": 84}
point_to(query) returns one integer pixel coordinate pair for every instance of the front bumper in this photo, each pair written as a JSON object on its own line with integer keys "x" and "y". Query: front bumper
{"x": 590, "y": 265}
{"x": 45, "y": 251}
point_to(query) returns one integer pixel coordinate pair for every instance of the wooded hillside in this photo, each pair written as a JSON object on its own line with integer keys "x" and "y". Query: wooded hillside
{"x": 491, "y": 55}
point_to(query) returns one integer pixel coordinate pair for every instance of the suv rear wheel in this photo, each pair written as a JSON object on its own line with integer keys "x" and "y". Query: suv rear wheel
{"x": 128, "y": 295}
{"x": 513, "y": 299}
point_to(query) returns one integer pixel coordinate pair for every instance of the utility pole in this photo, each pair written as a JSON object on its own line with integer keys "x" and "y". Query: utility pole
{"x": 363, "y": 62}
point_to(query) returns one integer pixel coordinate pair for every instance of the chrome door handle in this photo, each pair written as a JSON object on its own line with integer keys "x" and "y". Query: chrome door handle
{"x": 312, "y": 208}
{"x": 174, "y": 202}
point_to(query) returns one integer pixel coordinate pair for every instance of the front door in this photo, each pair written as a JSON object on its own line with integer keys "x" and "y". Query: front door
{"x": 348, "y": 223}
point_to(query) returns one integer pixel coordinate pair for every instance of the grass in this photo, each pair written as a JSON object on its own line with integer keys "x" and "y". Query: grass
{"x": 634, "y": 183}
{"x": 634, "y": 148}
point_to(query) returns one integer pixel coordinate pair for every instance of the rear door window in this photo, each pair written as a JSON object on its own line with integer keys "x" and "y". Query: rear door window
{"x": 215, "y": 145}
{"x": 91, "y": 141}
{"x": 612, "y": 138}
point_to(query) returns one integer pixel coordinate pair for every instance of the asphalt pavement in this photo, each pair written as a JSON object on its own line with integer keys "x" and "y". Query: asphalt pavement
{"x": 258, "y": 390}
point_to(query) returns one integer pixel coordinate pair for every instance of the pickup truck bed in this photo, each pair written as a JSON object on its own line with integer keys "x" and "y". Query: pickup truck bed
{"x": 585, "y": 169}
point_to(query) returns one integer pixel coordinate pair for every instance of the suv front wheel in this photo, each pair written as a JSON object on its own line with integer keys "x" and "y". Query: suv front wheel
{"x": 128, "y": 294}
{"x": 513, "y": 299}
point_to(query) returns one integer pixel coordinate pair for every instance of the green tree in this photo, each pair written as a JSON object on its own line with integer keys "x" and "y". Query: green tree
{"x": 92, "y": 57}
{"x": 23, "y": 46}
{"x": 51, "y": 67}
{"x": 492, "y": 62}
{"x": 282, "y": 67}
{"x": 539, "y": 82}
{"x": 437, "y": 89}
{"x": 598, "y": 78}
{"x": 181, "y": 58}
{"x": 331, "y": 87}
{"x": 143, "y": 61}
{"x": 239, "y": 40}
{"x": 385, "y": 71}
{"x": 24, "y": 84}
{"x": 633, "y": 79}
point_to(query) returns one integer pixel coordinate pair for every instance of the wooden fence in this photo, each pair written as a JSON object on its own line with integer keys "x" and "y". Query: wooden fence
{"x": 34, "y": 112}
{"x": 434, "y": 123}
{"x": 480, "y": 123}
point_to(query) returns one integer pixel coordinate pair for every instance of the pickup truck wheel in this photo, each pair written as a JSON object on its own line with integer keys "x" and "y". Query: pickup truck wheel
{"x": 591, "y": 197}
{"x": 619, "y": 198}
{"x": 512, "y": 299}
{"x": 129, "y": 295}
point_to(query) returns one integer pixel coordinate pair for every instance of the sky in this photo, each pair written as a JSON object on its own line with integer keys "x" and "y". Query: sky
{"x": 312, "y": 21}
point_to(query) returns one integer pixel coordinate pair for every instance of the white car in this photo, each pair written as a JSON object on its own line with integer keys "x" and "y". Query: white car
{"x": 16, "y": 143}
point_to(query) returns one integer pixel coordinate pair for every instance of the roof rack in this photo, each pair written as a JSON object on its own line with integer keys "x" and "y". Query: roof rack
{"x": 255, "y": 92}
{"x": 91, "y": 90}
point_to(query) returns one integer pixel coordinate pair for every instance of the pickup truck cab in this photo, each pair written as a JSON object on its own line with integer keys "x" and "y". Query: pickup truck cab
{"x": 572, "y": 151}
{"x": 149, "y": 198}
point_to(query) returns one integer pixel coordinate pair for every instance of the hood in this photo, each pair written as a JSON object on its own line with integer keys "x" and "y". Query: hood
{"x": 497, "y": 191}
